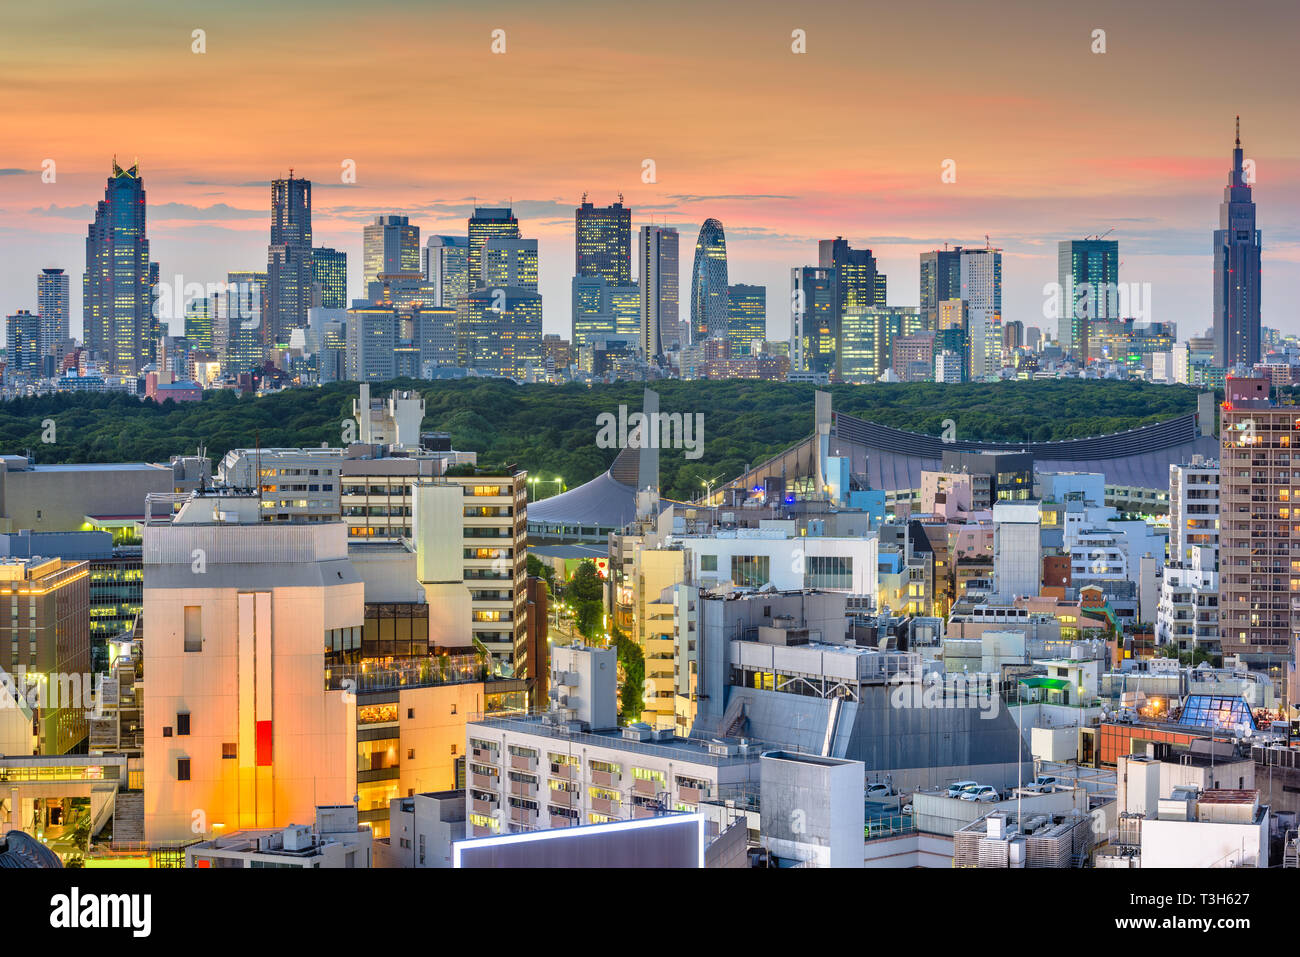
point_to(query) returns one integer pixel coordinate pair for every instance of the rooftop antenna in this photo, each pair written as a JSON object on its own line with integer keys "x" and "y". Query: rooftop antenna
{"x": 1238, "y": 131}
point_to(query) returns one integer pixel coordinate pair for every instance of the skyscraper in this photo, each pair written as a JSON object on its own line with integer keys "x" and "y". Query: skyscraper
{"x": 22, "y": 345}
{"x": 116, "y": 307}
{"x": 288, "y": 262}
{"x": 940, "y": 280}
{"x": 709, "y": 284}
{"x": 746, "y": 317}
{"x": 446, "y": 267}
{"x": 603, "y": 242}
{"x": 390, "y": 245}
{"x": 486, "y": 223}
{"x": 52, "y": 307}
{"x": 1237, "y": 245}
{"x": 981, "y": 291}
{"x": 658, "y": 261}
{"x": 1088, "y": 275}
{"x": 510, "y": 262}
{"x": 247, "y": 295}
{"x": 329, "y": 278}
{"x": 858, "y": 285}
{"x": 814, "y": 322}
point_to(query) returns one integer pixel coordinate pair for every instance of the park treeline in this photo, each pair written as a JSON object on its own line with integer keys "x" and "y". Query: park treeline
{"x": 552, "y": 430}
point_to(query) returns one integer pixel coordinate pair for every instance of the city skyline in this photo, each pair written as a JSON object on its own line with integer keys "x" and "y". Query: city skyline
{"x": 1024, "y": 174}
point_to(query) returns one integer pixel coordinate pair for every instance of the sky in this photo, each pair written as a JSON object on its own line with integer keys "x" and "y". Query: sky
{"x": 1048, "y": 139}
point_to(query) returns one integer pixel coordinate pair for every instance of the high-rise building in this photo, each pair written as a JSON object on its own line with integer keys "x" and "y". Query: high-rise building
{"x": 23, "y": 345}
{"x": 1088, "y": 279}
{"x": 746, "y": 317}
{"x": 329, "y": 277}
{"x": 940, "y": 280}
{"x": 1237, "y": 245}
{"x": 52, "y": 307}
{"x": 814, "y": 322}
{"x": 709, "y": 309}
{"x": 240, "y": 345}
{"x": 1257, "y": 620}
{"x": 659, "y": 290}
{"x": 981, "y": 291}
{"x": 200, "y": 320}
{"x": 600, "y": 309}
{"x": 117, "y": 313}
{"x": 446, "y": 267}
{"x": 289, "y": 260}
{"x": 858, "y": 285}
{"x": 390, "y": 245}
{"x": 510, "y": 262}
{"x": 487, "y": 223}
{"x": 603, "y": 242}
{"x": 499, "y": 331}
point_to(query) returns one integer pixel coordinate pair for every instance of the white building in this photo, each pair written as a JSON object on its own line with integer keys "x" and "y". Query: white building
{"x": 243, "y": 731}
{"x": 573, "y": 765}
{"x": 422, "y": 829}
{"x": 1017, "y": 549}
{"x": 336, "y": 841}
{"x": 981, "y": 290}
{"x": 776, "y": 554}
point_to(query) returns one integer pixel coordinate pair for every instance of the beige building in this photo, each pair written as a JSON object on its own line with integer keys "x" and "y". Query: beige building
{"x": 241, "y": 729}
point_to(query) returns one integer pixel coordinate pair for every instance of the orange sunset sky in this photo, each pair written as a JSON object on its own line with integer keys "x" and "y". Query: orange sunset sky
{"x": 1050, "y": 140}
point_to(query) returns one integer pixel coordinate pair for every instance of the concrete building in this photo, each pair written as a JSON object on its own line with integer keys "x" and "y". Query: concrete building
{"x": 422, "y": 830}
{"x": 244, "y": 726}
{"x": 336, "y": 840}
{"x": 1017, "y": 549}
{"x": 812, "y": 808}
{"x": 574, "y": 766}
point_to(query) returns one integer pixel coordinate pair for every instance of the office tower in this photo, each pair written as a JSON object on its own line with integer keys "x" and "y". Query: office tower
{"x": 487, "y": 223}
{"x": 1256, "y": 529}
{"x": 390, "y": 245}
{"x": 1013, "y": 336}
{"x": 940, "y": 281}
{"x": 659, "y": 297}
{"x": 949, "y": 367}
{"x": 247, "y": 296}
{"x": 981, "y": 292}
{"x": 746, "y": 317}
{"x": 372, "y": 337}
{"x": 248, "y": 721}
{"x": 329, "y": 278}
{"x": 858, "y": 286}
{"x": 446, "y": 267}
{"x": 157, "y": 324}
{"x": 1237, "y": 245}
{"x": 52, "y": 307}
{"x": 499, "y": 331}
{"x": 709, "y": 284}
{"x": 288, "y": 263}
{"x": 45, "y": 634}
{"x": 603, "y": 242}
{"x": 23, "y": 344}
{"x": 867, "y": 338}
{"x": 116, "y": 306}
{"x": 200, "y": 318}
{"x": 1088, "y": 276}
{"x": 814, "y": 323}
{"x": 510, "y": 262}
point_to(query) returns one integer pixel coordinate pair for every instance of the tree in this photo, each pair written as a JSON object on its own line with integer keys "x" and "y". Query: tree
{"x": 631, "y": 660}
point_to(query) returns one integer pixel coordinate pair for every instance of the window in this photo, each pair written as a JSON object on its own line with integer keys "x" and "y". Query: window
{"x": 453, "y": 749}
{"x": 708, "y": 563}
{"x": 453, "y": 709}
{"x": 410, "y": 713}
{"x": 193, "y": 628}
{"x": 183, "y": 723}
{"x": 410, "y": 754}
{"x": 167, "y": 732}
{"x": 182, "y": 769}
{"x": 229, "y": 750}
{"x": 751, "y": 571}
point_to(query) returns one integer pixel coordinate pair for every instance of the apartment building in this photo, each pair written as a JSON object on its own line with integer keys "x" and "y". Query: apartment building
{"x": 1259, "y": 545}
{"x": 573, "y": 765}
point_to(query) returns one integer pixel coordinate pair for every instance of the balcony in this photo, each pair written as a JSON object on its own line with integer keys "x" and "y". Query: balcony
{"x": 559, "y": 820}
{"x": 563, "y": 798}
{"x": 523, "y": 788}
{"x": 523, "y": 815}
{"x": 644, "y": 788}
{"x": 640, "y": 811}
{"x": 606, "y": 779}
{"x": 523, "y": 762}
{"x": 484, "y": 782}
{"x": 606, "y": 807}
{"x": 482, "y": 830}
{"x": 484, "y": 754}
{"x": 690, "y": 795}
{"x": 486, "y": 808}
{"x": 564, "y": 772}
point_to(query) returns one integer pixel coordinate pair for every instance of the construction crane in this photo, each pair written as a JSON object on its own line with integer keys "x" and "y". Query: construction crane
{"x": 1100, "y": 235}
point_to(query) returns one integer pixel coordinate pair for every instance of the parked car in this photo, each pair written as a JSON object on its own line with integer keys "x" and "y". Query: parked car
{"x": 875, "y": 791}
{"x": 1045, "y": 783}
{"x": 955, "y": 789}
{"x": 984, "y": 793}
{"x": 907, "y": 810}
